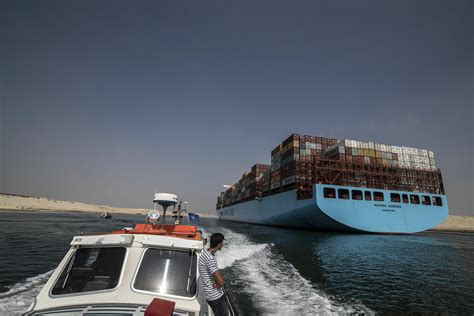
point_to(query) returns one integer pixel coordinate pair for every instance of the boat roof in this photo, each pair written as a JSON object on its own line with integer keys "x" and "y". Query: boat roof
{"x": 172, "y": 236}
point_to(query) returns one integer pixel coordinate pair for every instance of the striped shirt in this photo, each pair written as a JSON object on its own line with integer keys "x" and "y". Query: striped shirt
{"x": 208, "y": 266}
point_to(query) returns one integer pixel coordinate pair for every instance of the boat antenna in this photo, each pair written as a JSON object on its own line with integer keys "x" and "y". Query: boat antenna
{"x": 186, "y": 210}
{"x": 177, "y": 213}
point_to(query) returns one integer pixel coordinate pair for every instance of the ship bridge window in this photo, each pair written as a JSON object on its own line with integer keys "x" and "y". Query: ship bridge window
{"x": 343, "y": 194}
{"x": 378, "y": 196}
{"x": 330, "y": 193}
{"x": 368, "y": 195}
{"x": 437, "y": 201}
{"x": 405, "y": 198}
{"x": 356, "y": 194}
{"x": 425, "y": 200}
{"x": 395, "y": 197}
{"x": 169, "y": 272}
{"x": 91, "y": 269}
{"x": 414, "y": 199}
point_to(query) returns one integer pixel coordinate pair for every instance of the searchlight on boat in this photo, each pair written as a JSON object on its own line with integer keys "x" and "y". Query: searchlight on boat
{"x": 153, "y": 217}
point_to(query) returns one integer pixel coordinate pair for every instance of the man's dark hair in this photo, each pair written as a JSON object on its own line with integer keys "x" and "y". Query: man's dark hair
{"x": 216, "y": 239}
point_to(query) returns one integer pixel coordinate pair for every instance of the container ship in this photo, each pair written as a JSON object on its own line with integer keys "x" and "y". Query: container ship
{"x": 345, "y": 185}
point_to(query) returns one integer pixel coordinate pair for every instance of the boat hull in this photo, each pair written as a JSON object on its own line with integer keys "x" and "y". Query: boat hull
{"x": 320, "y": 213}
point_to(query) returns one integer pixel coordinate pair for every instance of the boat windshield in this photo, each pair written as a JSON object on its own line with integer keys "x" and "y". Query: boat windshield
{"x": 91, "y": 269}
{"x": 168, "y": 272}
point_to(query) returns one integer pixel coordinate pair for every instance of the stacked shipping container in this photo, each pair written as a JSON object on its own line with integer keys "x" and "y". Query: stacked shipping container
{"x": 296, "y": 162}
{"x": 382, "y": 155}
{"x": 302, "y": 160}
{"x": 248, "y": 187}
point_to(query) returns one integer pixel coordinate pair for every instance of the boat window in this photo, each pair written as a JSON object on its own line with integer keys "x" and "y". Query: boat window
{"x": 169, "y": 272}
{"x": 368, "y": 195}
{"x": 91, "y": 269}
{"x": 437, "y": 201}
{"x": 330, "y": 193}
{"x": 414, "y": 199}
{"x": 395, "y": 197}
{"x": 343, "y": 194}
{"x": 405, "y": 198}
{"x": 356, "y": 194}
{"x": 378, "y": 196}
{"x": 425, "y": 200}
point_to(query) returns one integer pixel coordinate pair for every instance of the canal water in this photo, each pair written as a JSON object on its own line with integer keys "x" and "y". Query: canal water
{"x": 271, "y": 270}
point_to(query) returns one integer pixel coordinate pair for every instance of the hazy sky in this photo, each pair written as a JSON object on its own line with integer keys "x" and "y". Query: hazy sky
{"x": 107, "y": 101}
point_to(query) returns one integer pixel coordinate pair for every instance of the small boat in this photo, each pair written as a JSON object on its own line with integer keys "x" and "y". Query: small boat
{"x": 106, "y": 215}
{"x": 148, "y": 269}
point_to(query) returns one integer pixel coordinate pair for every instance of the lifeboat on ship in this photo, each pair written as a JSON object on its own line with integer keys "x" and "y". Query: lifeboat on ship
{"x": 148, "y": 269}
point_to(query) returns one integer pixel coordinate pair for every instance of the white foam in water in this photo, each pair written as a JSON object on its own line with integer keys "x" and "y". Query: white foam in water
{"x": 274, "y": 284}
{"x": 19, "y": 297}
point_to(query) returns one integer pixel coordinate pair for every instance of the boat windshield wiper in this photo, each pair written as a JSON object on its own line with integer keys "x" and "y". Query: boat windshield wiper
{"x": 189, "y": 271}
{"x": 69, "y": 269}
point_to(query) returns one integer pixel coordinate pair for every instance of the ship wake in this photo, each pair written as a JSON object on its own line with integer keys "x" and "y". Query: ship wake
{"x": 272, "y": 283}
{"x": 19, "y": 296}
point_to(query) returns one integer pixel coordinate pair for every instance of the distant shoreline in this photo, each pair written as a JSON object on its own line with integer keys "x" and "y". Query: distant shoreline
{"x": 11, "y": 202}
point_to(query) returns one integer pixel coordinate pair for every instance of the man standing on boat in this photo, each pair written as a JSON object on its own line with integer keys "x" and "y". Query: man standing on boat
{"x": 211, "y": 277}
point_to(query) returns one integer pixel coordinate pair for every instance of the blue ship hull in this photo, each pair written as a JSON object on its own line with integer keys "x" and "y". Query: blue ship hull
{"x": 320, "y": 213}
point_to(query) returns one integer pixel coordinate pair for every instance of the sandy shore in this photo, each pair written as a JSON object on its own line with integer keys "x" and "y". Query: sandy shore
{"x": 25, "y": 203}
{"x": 457, "y": 223}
